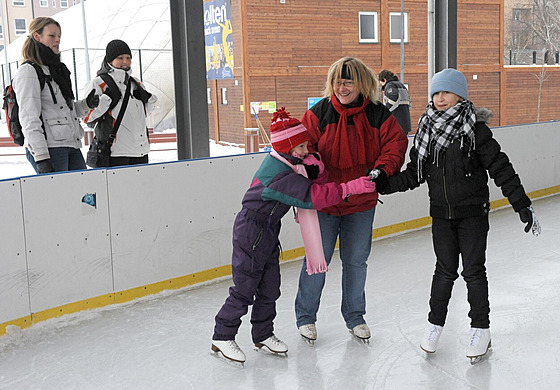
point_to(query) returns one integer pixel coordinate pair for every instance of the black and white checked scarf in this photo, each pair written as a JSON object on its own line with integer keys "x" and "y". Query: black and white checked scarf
{"x": 436, "y": 130}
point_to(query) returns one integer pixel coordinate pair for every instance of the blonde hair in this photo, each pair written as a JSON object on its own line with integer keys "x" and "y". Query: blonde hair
{"x": 363, "y": 77}
{"x": 30, "y": 48}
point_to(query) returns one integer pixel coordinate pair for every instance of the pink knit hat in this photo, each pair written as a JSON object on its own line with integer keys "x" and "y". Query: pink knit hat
{"x": 286, "y": 132}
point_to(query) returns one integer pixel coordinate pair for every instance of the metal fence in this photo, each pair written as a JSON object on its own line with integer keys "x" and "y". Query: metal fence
{"x": 529, "y": 57}
{"x": 152, "y": 67}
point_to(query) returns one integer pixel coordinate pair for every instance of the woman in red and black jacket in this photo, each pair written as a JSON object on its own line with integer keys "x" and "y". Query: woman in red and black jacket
{"x": 354, "y": 133}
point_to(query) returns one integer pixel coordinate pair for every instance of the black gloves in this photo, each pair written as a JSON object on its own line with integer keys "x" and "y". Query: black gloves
{"x": 525, "y": 215}
{"x": 92, "y": 99}
{"x": 378, "y": 175}
{"x": 312, "y": 171}
{"x": 142, "y": 95}
{"x": 45, "y": 166}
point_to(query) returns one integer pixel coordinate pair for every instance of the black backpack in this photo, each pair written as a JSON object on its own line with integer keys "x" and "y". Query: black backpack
{"x": 11, "y": 107}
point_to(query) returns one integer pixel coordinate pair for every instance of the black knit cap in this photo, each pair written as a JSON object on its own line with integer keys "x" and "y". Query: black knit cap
{"x": 116, "y": 48}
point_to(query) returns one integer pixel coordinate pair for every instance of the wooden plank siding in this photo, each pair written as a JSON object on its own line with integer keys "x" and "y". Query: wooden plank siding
{"x": 289, "y": 48}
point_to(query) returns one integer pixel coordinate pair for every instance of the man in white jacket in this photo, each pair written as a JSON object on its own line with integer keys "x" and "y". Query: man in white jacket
{"x": 131, "y": 144}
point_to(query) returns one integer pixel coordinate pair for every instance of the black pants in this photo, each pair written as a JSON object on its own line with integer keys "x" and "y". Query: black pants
{"x": 466, "y": 237}
{"x": 120, "y": 161}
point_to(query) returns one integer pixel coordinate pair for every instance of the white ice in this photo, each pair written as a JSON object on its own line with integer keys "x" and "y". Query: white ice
{"x": 163, "y": 341}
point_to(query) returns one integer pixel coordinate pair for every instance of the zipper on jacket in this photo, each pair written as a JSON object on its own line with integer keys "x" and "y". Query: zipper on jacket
{"x": 445, "y": 191}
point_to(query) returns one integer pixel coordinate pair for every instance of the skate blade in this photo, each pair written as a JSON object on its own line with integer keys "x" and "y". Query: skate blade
{"x": 476, "y": 359}
{"x": 220, "y": 356}
{"x": 363, "y": 341}
{"x": 309, "y": 341}
{"x": 269, "y": 351}
{"x": 428, "y": 352}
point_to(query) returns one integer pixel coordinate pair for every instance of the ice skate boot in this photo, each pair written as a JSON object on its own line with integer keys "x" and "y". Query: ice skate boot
{"x": 309, "y": 333}
{"x": 431, "y": 337}
{"x": 479, "y": 344}
{"x": 274, "y": 345}
{"x": 229, "y": 351}
{"x": 361, "y": 332}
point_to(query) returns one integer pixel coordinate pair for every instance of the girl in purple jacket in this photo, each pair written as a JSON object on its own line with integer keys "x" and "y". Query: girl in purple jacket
{"x": 256, "y": 248}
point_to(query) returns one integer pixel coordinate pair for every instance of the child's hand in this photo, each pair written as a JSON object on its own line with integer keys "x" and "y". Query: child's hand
{"x": 527, "y": 215}
{"x": 357, "y": 186}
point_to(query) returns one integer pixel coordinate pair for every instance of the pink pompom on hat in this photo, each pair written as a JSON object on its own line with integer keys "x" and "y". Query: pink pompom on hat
{"x": 286, "y": 132}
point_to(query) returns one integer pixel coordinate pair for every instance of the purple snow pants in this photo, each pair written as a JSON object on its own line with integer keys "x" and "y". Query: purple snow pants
{"x": 256, "y": 277}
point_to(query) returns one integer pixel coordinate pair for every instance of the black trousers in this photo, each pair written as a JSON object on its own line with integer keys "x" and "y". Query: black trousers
{"x": 121, "y": 161}
{"x": 466, "y": 237}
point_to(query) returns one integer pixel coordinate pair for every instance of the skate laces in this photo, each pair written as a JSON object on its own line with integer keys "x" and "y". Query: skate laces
{"x": 434, "y": 333}
{"x": 275, "y": 340}
{"x": 234, "y": 346}
{"x": 475, "y": 338}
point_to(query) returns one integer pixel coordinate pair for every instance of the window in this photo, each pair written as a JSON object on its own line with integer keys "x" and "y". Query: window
{"x": 54, "y": 3}
{"x": 21, "y": 26}
{"x": 18, "y": 3}
{"x": 368, "y": 27}
{"x": 63, "y": 3}
{"x": 1, "y": 31}
{"x": 43, "y": 3}
{"x": 517, "y": 14}
{"x": 395, "y": 23}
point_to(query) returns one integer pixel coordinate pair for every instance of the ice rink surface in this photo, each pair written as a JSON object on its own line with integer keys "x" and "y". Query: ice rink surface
{"x": 163, "y": 341}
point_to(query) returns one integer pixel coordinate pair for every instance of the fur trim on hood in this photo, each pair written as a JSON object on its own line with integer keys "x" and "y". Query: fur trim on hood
{"x": 483, "y": 114}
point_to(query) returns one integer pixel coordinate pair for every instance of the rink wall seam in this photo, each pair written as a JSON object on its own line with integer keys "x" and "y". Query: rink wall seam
{"x": 111, "y": 254}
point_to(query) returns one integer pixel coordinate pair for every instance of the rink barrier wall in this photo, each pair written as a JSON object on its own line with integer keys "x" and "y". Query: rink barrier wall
{"x": 81, "y": 240}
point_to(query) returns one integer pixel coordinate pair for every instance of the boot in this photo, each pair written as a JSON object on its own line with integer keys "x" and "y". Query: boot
{"x": 479, "y": 343}
{"x": 274, "y": 345}
{"x": 431, "y": 337}
{"x": 308, "y": 332}
{"x": 361, "y": 331}
{"x": 229, "y": 349}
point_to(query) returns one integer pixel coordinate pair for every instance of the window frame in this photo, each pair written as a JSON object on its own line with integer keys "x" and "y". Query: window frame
{"x": 62, "y": 3}
{"x": 43, "y": 3}
{"x": 406, "y": 35}
{"x": 375, "y": 16}
{"x": 21, "y": 32}
{"x": 18, "y": 3}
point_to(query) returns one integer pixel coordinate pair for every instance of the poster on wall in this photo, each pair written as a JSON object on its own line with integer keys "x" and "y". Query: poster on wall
{"x": 218, "y": 40}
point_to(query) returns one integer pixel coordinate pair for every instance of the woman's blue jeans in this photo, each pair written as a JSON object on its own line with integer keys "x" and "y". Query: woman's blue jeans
{"x": 62, "y": 159}
{"x": 354, "y": 233}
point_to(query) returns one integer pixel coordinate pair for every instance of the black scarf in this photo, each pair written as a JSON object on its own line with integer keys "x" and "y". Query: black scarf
{"x": 59, "y": 73}
{"x": 436, "y": 130}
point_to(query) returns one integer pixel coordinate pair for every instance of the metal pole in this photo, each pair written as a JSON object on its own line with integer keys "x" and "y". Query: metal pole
{"x": 8, "y": 73}
{"x": 431, "y": 43}
{"x": 86, "y": 57}
{"x": 402, "y": 41}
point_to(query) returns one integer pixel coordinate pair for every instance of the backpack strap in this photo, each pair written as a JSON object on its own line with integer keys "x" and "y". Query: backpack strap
{"x": 114, "y": 91}
{"x": 43, "y": 78}
{"x": 121, "y": 113}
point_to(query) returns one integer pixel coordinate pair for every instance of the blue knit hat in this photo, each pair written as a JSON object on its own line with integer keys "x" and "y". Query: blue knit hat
{"x": 449, "y": 80}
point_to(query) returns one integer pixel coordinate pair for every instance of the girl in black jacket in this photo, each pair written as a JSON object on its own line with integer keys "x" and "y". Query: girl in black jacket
{"x": 454, "y": 151}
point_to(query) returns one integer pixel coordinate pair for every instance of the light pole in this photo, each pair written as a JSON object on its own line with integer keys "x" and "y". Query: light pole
{"x": 88, "y": 75}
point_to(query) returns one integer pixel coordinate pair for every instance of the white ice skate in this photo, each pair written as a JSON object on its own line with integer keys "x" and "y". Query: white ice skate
{"x": 274, "y": 345}
{"x": 361, "y": 332}
{"x": 479, "y": 344}
{"x": 309, "y": 333}
{"x": 229, "y": 351}
{"x": 431, "y": 337}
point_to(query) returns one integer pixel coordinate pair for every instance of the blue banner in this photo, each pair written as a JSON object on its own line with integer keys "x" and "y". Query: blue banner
{"x": 218, "y": 40}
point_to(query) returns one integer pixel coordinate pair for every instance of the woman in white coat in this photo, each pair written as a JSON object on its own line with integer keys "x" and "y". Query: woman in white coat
{"x": 49, "y": 116}
{"x": 131, "y": 144}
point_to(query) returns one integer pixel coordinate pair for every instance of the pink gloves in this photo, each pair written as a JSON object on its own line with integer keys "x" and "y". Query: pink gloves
{"x": 311, "y": 159}
{"x": 357, "y": 186}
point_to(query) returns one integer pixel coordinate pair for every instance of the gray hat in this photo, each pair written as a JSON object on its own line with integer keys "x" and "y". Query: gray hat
{"x": 449, "y": 80}
{"x": 116, "y": 48}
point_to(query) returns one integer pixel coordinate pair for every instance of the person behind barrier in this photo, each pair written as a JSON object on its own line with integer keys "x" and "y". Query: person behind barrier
{"x": 354, "y": 133}
{"x": 454, "y": 151}
{"x": 49, "y": 116}
{"x": 396, "y": 98}
{"x": 276, "y": 187}
{"x": 130, "y": 144}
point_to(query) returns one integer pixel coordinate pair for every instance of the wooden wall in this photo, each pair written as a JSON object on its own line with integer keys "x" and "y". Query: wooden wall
{"x": 289, "y": 48}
